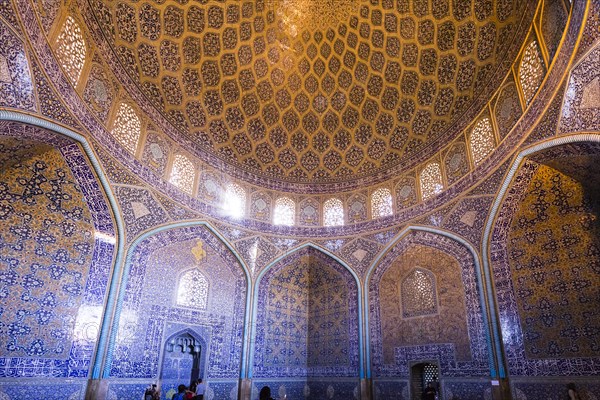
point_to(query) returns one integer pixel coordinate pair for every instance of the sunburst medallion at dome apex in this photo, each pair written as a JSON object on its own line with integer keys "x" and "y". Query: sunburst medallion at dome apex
{"x": 306, "y": 90}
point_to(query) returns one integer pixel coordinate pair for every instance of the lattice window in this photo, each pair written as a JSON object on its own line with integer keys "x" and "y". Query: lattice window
{"x": 430, "y": 373}
{"x": 193, "y": 290}
{"x": 285, "y": 210}
{"x": 381, "y": 203}
{"x": 532, "y": 70}
{"x": 71, "y": 49}
{"x": 482, "y": 140}
{"x": 127, "y": 128}
{"x": 235, "y": 200}
{"x": 183, "y": 173}
{"x": 431, "y": 180}
{"x": 333, "y": 212}
{"x": 418, "y": 294}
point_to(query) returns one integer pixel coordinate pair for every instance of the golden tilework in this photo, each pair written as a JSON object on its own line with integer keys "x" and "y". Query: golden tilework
{"x": 554, "y": 255}
{"x": 306, "y": 90}
{"x": 46, "y": 251}
{"x": 448, "y": 325}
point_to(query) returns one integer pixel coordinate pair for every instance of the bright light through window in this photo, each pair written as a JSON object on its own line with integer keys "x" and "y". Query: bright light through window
{"x": 431, "y": 180}
{"x": 193, "y": 290}
{"x": 235, "y": 200}
{"x": 183, "y": 173}
{"x": 333, "y": 212}
{"x": 127, "y": 128}
{"x": 71, "y": 49}
{"x": 482, "y": 140}
{"x": 285, "y": 210}
{"x": 381, "y": 203}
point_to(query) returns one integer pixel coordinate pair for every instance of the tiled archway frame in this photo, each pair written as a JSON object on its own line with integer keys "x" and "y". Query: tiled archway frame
{"x": 477, "y": 306}
{"x": 129, "y": 260}
{"x": 102, "y": 223}
{"x": 495, "y": 232}
{"x": 340, "y": 262}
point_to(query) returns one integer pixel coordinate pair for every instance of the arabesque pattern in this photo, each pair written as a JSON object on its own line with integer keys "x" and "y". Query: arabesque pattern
{"x": 279, "y": 93}
{"x": 307, "y": 319}
{"x": 554, "y": 257}
{"x": 45, "y": 260}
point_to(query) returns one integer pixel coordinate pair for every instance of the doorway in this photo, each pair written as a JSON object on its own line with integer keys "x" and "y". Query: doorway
{"x": 423, "y": 374}
{"x": 183, "y": 361}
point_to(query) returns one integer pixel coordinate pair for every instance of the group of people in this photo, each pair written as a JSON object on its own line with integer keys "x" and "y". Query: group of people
{"x": 194, "y": 392}
{"x": 197, "y": 389}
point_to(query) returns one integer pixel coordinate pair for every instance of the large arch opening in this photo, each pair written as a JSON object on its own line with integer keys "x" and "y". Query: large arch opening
{"x": 59, "y": 241}
{"x": 545, "y": 261}
{"x": 210, "y": 330}
{"x": 307, "y": 326}
{"x": 426, "y": 306}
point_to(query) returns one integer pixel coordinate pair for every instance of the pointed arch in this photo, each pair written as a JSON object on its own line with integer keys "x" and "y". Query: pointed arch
{"x": 171, "y": 340}
{"x": 504, "y": 191}
{"x": 127, "y": 267}
{"x": 494, "y": 362}
{"x": 187, "y": 331}
{"x": 361, "y": 355}
{"x": 115, "y": 275}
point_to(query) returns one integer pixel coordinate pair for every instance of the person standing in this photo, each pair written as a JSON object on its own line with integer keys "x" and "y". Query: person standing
{"x": 148, "y": 393}
{"x": 180, "y": 395}
{"x": 265, "y": 393}
{"x": 155, "y": 392}
{"x": 200, "y": 389}
{"x": 429, "y": 392}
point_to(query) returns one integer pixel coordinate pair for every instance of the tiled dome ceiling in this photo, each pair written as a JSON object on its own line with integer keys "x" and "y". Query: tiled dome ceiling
{"x": 313, "y": 91}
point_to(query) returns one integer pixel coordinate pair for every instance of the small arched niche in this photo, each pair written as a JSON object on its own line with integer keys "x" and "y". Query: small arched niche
{"x": 184, "y": 360}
